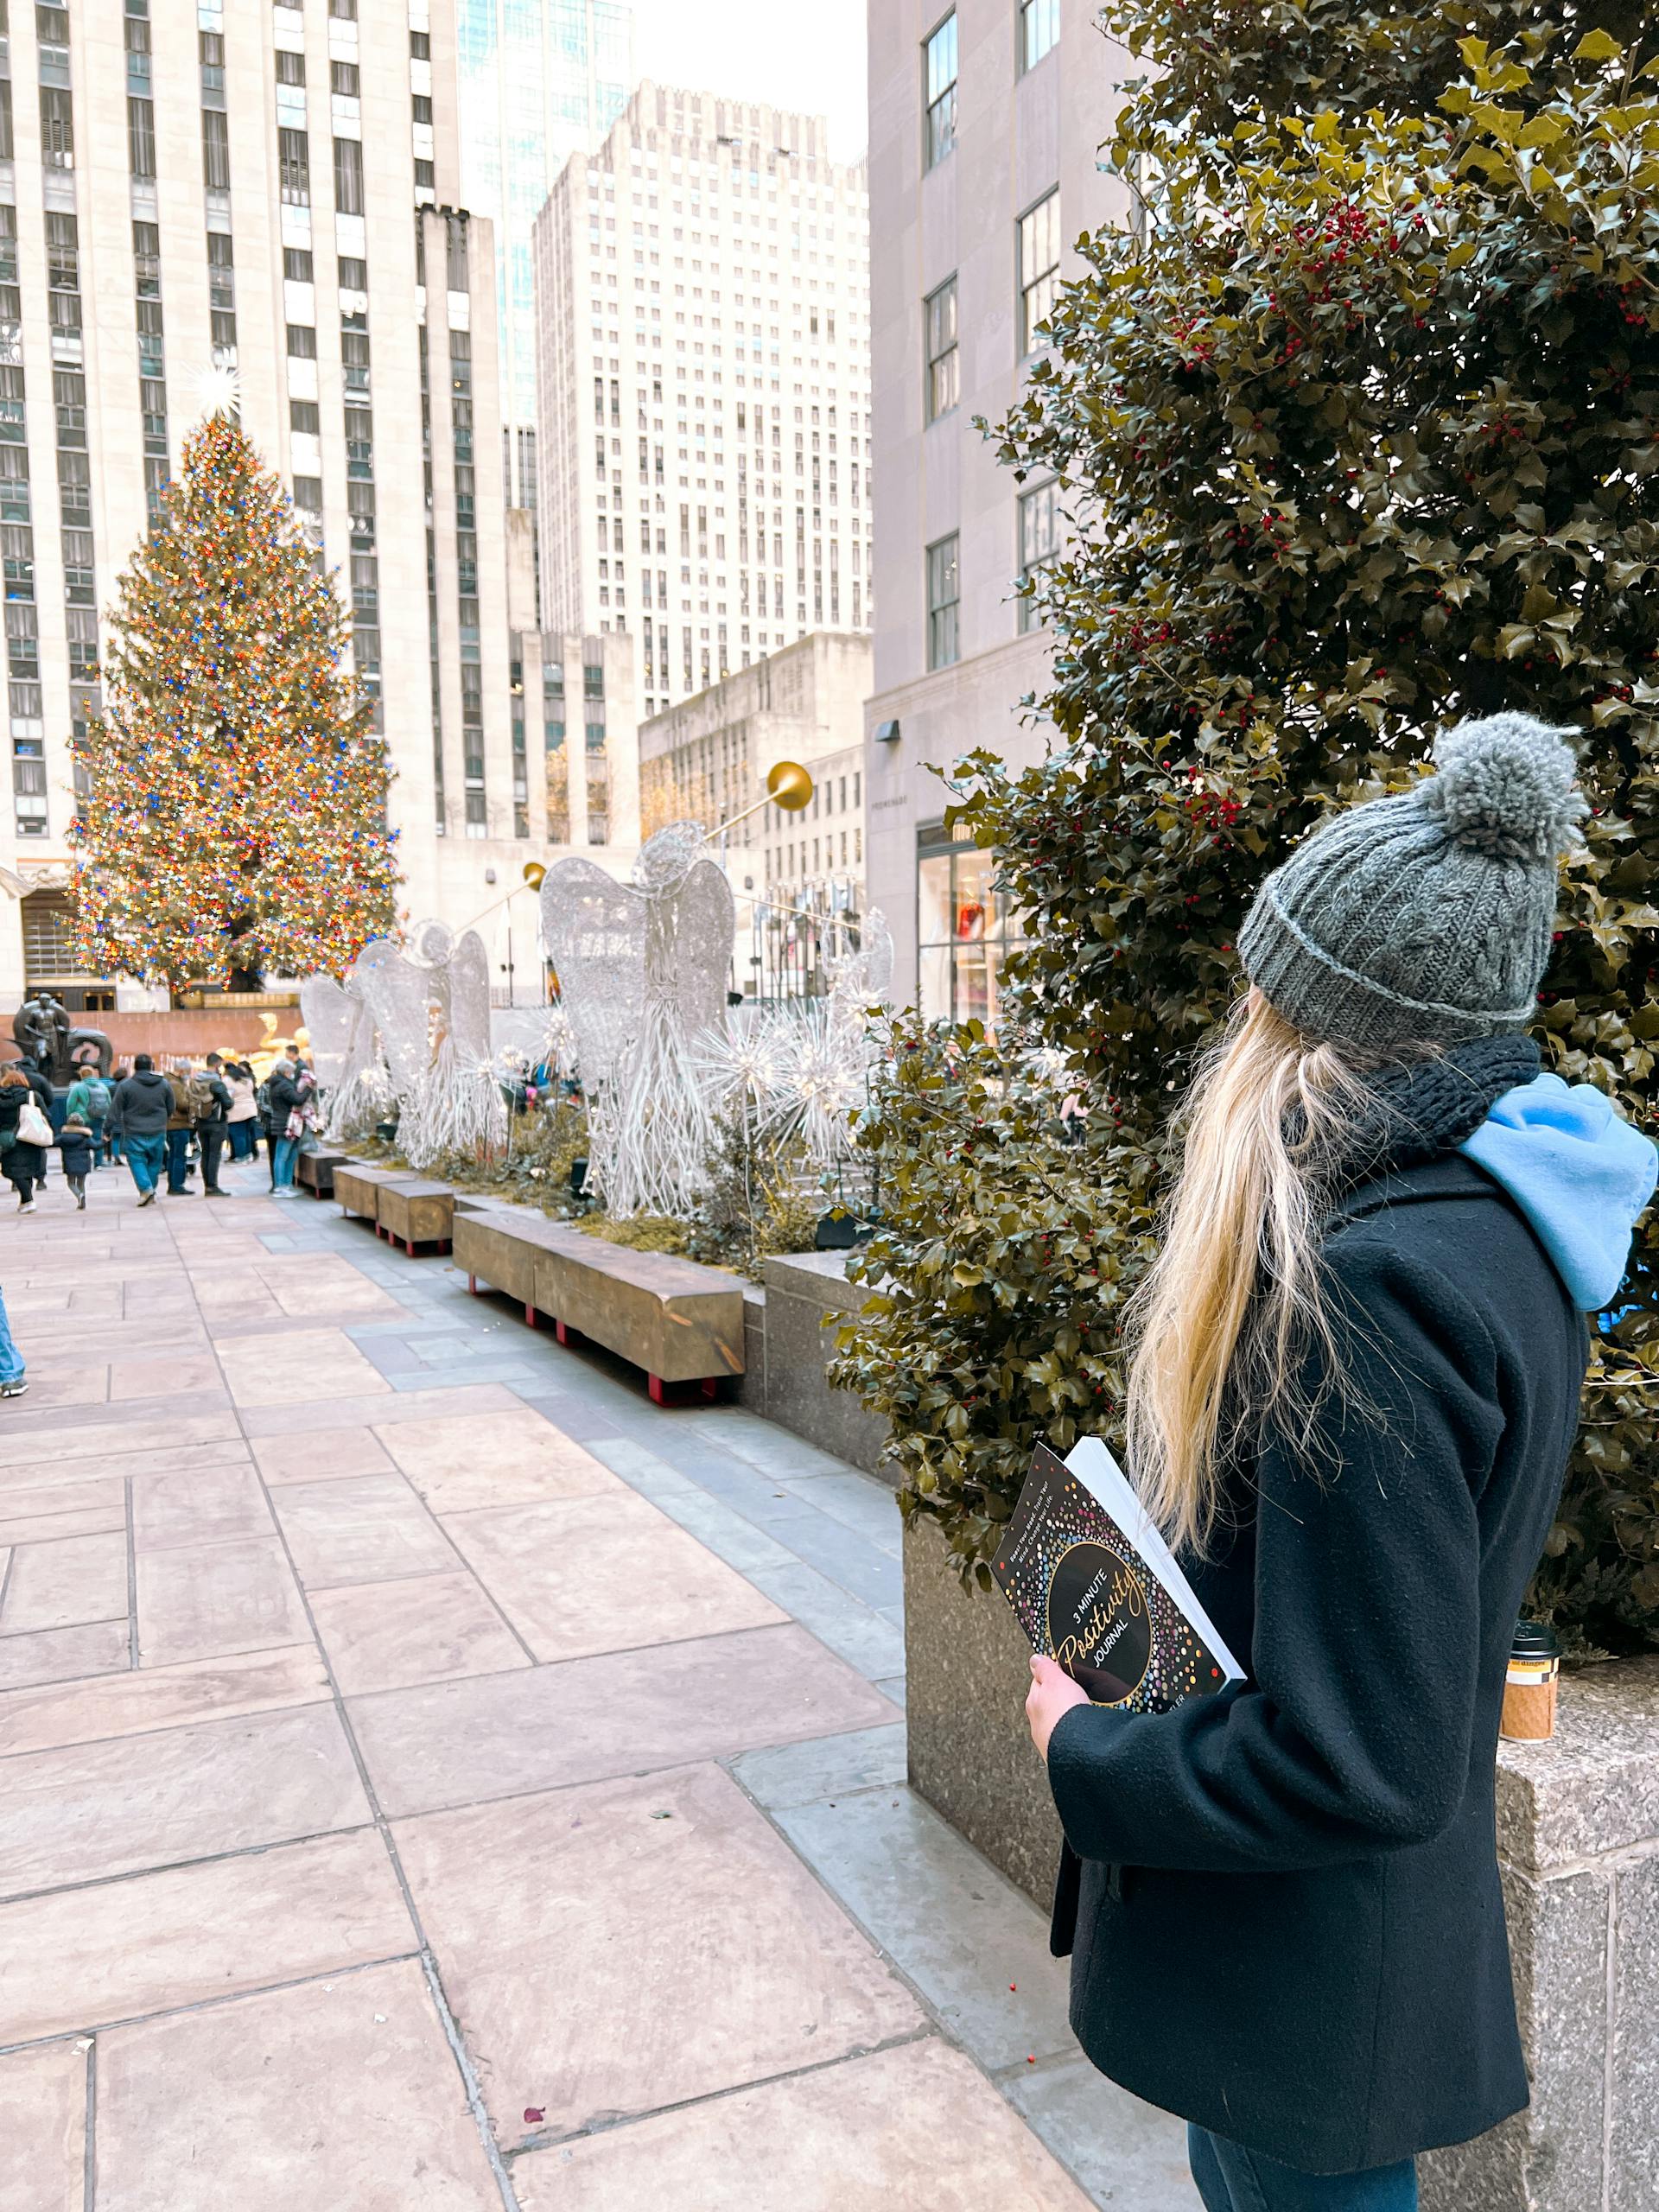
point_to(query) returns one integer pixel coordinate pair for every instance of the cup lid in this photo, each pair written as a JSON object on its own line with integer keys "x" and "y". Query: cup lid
{"x": 1535, "y": 1640}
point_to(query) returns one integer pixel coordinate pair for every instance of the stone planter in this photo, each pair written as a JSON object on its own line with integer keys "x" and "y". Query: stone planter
{"x": 806, "y": 1293}
{"x": 967, "y": 1668}
{"x": 1578, "y": 1826}
{"x": 1578, "y": 1839}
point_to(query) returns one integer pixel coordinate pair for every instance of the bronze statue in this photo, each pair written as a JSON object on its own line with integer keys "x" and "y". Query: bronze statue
{"x": 46, "y": 1037}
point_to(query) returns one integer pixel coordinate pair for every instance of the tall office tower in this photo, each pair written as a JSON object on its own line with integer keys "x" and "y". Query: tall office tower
{"x": 703, "y": 375}
{"x": 985, "y": 124}
{"x": 540, "y": 80}
{"x": 275, "y": 189}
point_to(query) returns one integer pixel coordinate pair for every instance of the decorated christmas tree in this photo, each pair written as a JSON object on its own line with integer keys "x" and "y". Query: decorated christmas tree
{"x": 233, "y": 814}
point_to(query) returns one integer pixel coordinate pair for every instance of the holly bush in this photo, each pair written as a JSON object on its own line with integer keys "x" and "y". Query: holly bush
{"x": 1357, "y": 430}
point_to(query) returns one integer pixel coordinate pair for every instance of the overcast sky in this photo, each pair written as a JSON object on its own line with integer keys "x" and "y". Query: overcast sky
{"x": 796, "y": 54}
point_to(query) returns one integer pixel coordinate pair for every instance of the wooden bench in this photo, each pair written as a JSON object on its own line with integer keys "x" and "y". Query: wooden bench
{"x": 679, "y": 1320}
{"x": 499, "y": 1245}
{"x": 358, "y": 1187}
{"x": 315, "y": 1171}
{"x": 413, "y": 1212}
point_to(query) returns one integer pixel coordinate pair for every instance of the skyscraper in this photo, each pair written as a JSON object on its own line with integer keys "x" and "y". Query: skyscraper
{"x": 276, "y": 188}
{"x": 986, "y": 125}
{"x": 540, "y": 80}
{"x": 704, "y": 338}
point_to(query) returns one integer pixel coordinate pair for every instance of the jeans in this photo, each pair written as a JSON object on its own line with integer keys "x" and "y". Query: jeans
{"x": 241, "y": 1136}
{"x": 11, "y": 1360}
{"x": 1232, "y": 2179}
{"x": 144, "y": 1156}
{"x": 101, "y": 1152}
{"x": 281, "y": 1165}
{"x": 210, "y": 1135}
{"x": 178, "y": 1150}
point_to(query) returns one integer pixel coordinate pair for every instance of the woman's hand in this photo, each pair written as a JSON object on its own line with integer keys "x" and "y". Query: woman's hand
{"x": 1052, "y": 1693}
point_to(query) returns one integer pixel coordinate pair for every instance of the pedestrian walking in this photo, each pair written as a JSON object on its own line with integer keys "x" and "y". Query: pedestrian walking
{"x": 282, "y": 1122}
{"x": 12, "y": 1384}
{"x": 212, "y": 1103}
{"x": 181, "y": 1127}
{"x": 243, "y": 1117}
{"x": 88, "y": 1101}
{"x": 112, "y": 1135}
{"x": 76, "y": 1144}
{"x": 47, "y": 1099}
{"x": 25, "y": 1132}
{"x": 139, "y": 1113}
{"x": 1354, "y": 1385}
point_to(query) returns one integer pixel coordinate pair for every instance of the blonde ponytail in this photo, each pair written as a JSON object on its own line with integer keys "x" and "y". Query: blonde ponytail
{"x": 1221, "y": 1327}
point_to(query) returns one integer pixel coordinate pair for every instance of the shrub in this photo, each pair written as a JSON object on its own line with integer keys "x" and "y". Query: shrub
{"x": 1359, "y": 431}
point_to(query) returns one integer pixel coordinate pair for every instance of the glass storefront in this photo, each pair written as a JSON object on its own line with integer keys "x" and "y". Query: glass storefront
{"x": 966, "y": 929}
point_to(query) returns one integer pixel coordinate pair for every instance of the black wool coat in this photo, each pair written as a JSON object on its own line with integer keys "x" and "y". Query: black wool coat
{"x": 1283, "y": 1902}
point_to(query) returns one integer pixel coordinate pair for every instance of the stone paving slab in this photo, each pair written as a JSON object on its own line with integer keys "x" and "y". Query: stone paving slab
{"x": 585, "y": 1932}
{"x": 588, "y": 1720}
{"x": 83, "y": 1959}
{"x": 915, "y": 2126}
{"x": 89, "y": 1810}
{"x": 201, "y": 2111}
{"x": 43, "y": 2143}
{"x": 410, "y": 1595}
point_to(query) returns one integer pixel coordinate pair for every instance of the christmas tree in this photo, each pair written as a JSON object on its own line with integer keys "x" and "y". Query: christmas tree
{"x": 233, "y": 814}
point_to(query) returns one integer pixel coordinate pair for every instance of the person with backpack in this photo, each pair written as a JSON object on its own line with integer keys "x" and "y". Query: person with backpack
{"x": 88, "y": 1102}
{"x": 212, "y": 1099}
{"x": 139, "y": 1113}
{"x": 181, "y": 1126}
{"x": 1353, "y": 1385}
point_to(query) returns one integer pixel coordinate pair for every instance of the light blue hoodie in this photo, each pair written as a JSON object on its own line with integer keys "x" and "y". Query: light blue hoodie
{"x": 1577, "y": 1171}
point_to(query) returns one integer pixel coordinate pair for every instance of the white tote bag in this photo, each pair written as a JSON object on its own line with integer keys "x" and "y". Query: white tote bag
{"x": 33, "y": 1128}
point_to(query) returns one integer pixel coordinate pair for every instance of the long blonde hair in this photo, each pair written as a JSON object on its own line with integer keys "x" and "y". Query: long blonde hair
{"x": 1224, "y": 1322}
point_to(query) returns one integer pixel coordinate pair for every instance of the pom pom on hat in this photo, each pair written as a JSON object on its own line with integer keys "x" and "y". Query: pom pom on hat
{"x": 1505, "y": 787}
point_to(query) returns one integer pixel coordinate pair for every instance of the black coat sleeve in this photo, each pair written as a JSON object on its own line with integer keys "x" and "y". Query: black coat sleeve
{"x": 1353, "y": 1735}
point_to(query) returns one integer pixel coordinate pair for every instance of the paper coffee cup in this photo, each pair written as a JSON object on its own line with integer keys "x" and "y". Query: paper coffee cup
{"x": 1530, "y": 1683}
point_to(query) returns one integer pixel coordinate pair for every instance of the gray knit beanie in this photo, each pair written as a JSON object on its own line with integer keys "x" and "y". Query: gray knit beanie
{"x": 1427, "y": 917}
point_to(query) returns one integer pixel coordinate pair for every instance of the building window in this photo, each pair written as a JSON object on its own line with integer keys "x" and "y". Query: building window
{"x": 944, "y": 591}
{"x": 965, "y": 930}
{"x": 141, "y": 138}
{"x": 940, "y": 57}
{"x": 348, "y": 177}
{"x": 1040, "y": 267}
{"x": 294, "y": 163}
{"x": 939, "y": 318}
{"x": 215, "y": 149}
{"x": 1040, "y": 542}
{"x": 1039, "y": 26}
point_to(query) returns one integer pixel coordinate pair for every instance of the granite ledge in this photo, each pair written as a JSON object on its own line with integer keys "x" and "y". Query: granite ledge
{"x": 1593, "y": 1790}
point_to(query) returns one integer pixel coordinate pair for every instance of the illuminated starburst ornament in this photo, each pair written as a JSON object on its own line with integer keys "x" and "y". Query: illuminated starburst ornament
{"x": 219, "y": 391}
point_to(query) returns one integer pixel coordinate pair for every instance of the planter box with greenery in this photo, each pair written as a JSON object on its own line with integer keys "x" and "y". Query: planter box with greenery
{"x": 1358, "y": 434}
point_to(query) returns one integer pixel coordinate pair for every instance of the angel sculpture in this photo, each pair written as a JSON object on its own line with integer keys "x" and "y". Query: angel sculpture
{"x": 456, "y": 1106}
{"x": 351, "y": 1079}
{"x": 643, "y": 969}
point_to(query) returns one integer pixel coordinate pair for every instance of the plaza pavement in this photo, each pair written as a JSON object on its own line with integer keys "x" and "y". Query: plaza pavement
{"x": 434, "y": 1779}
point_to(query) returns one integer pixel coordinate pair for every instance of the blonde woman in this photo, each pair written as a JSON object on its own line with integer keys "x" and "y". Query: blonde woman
{"x": 1354, "y": 1387}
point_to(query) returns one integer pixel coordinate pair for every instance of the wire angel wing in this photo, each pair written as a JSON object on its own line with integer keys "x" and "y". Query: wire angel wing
{"x": 330, "y": 1016}
{"x": 469, "y": 1000}
{"x": 690, "y": 952}
{"x": 595, "y": 931}
{"x": 397, "y": 997}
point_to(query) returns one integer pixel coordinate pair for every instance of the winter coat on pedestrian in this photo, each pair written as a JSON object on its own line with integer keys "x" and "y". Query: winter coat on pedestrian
{"x": 75, "y": 1146}
{"x": 88, "y": 1100}
{"x": 243, "y": 1107}
{"x": 19, "y": 1162}
{"x": 282, "y": 1097}
{"x": 1282, "y": 1901}
{"x": 142, "y": 1105}
{"x": 212, "y": 1101}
